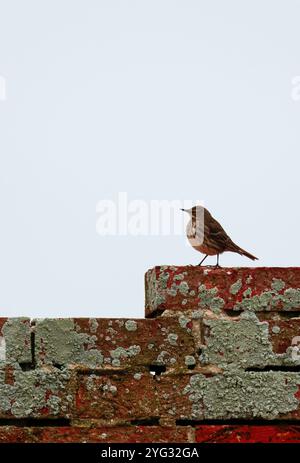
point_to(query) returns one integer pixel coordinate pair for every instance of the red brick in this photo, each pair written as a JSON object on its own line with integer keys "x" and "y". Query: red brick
{"x": 119, "y": 343}
{"x": 225, "y": 433}
{"x": 243, "y": 434}
{"x": 177, "y": 288}
{"x": 173, "y": 403}
{"x": 117, "y": 398}
{"x": 282, "y": 333}
{"x": 73, "y": 434}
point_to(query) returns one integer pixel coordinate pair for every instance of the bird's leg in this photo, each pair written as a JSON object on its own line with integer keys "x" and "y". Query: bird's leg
{"x": 203, "y": 259}
{"x": 218, "y": 266}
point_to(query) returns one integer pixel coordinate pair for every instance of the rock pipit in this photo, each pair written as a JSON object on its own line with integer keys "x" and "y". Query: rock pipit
{"x": 206, "y": 235}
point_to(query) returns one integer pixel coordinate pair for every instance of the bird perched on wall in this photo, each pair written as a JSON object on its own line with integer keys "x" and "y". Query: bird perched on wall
{"x": 206, "y": 235}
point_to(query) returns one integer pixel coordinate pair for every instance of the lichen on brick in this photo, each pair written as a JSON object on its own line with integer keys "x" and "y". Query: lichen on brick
{"x": 16, "y": 332}
{"x": 244, "y": 395}
{"x": 276, "y": 329}
{"x": 163, "y": 278}
{"x": 154, "y": 297}
{"x": 180, "y": 276}
{"x": 121, "y": 353}
{"x": 235, "y": 287}
{"x": 93, "y": 325}
{"x": 209, "y": 299}
{"x": 189, "y": 360}
{"x": 247, "y": 292}
{"x": 277, "y": 284}
{"x": 57, "y": 341}
{"x": 183, "y": 322}
{"x": 131, "y": 325}
{"x": 161, "y": 357}
{"x": 108, "y": 387}
{"x": 242, "y": 343}
{"x": 34, "y": 390}
{"x": 271, "y": 299}
{"x": 172, "y": 338}
{"x": 184, "y": 288}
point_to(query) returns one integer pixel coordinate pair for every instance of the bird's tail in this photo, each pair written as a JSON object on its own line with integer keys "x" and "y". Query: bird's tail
{"x": 247, "y": 254}
{"x": 242, "y": 251}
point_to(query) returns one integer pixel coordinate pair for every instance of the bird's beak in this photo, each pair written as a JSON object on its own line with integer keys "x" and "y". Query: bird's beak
{"x": 183, "y": 210}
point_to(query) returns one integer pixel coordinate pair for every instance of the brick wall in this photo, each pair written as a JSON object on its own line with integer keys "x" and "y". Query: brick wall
{"x": 216, "y": 360}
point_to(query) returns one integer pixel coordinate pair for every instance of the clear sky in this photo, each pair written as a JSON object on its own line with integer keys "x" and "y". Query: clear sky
{"x": 163, "y": 100}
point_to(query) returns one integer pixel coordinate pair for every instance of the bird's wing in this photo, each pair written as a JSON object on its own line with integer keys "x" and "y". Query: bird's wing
{"x": 213, "y": 226}
{"x": 215, "y": 234}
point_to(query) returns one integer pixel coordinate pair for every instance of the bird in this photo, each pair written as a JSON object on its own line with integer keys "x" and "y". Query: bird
{"x": 206, "y": 235}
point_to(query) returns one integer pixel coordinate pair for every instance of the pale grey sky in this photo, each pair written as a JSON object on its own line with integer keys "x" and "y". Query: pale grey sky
{"x": 160, "y": 99}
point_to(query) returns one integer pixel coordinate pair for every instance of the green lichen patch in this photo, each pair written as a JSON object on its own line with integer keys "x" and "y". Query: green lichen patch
{"x": 209, "y": 299}
{"x": 35, "y": 393}
{"x": 16, "y": 333}
{"x": 235, "y": 287}
{"x": 93, "y": 325}
{"x": 121, "y": 353}
{"x": 164, "y": 358}
{"x": 179, "y": 276}
{"x": 189, "y": 360}
{"x": 277, "y": 284}
{"x": 243, "y": 395}
{"x": 172, "y": 339}
{"x": 184, "y": 321}
{"x": 184, "y": 288}
{"x": 163, "y": 279}
{"x": 272, "y": 299}
{"x": 57, "y": 342}
{"x": 247, "y": 292}
{"x": 131, "y": 325}
{"x": 243, "y": 343}
{"x": 276, "y": 329}
{"x": 157, "y": 287}
{"x": 154, "y": 295}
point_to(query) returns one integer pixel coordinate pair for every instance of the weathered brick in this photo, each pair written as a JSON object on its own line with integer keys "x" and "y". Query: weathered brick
{"x": 193, "y": 288}
{"x": 225, "y": 433}
{"x": 73, "y": 434}
{"x": 227, "y": 338}
{"x": 117, "y": 398}
{"x": 233, "y": 395}
{"x": 242, "y": 434}
{"x": 283, "y": 334}
{"x": 39, "y": 393}
{"x": 121, "y": 343}
{"x": 15, "y": 340}
{"x": 245, "y": 341}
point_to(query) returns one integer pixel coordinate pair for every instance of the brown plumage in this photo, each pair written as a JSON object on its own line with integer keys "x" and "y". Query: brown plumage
{"x": 206, "y": 235}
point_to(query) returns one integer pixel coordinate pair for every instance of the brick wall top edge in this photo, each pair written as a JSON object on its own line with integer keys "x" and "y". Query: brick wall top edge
{"x": 182, "y": 288}
{"x": 211, "y": 267}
